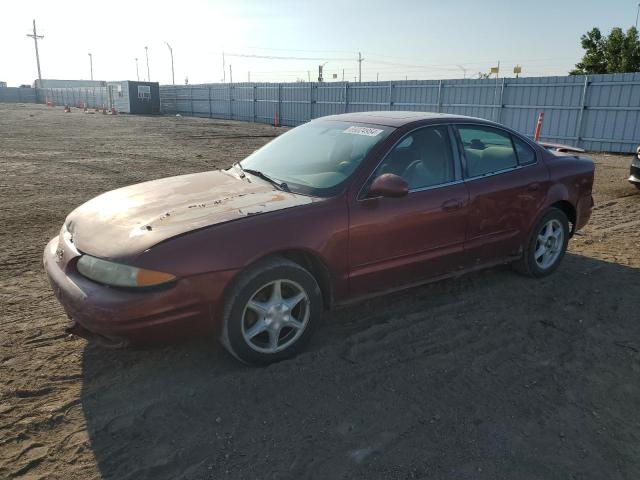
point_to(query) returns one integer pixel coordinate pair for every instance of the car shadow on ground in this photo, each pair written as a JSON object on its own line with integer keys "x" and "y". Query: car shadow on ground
{"x": 491, "y": 375}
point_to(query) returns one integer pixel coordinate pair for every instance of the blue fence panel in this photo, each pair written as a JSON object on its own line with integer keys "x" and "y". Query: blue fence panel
{"x": 596, "y": 112}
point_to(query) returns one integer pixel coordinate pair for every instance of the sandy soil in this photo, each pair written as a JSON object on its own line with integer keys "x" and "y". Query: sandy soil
{"x": 486, "y": 377}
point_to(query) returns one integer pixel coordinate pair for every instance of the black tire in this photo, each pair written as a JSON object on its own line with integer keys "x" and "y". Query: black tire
{"x": 527, "y": 265}
{"x": 243, "y": 290}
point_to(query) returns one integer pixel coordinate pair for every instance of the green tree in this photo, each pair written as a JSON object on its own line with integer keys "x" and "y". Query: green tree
{"x": 616, "y": 53}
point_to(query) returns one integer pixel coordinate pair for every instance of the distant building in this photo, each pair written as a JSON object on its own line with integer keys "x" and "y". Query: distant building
{"x": 135, "y": 97}
{"x": 3, "y": 84}
{"x": 51, "y": 83}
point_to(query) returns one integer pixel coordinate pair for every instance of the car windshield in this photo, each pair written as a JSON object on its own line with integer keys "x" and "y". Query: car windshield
{"x": 318, "y": 157}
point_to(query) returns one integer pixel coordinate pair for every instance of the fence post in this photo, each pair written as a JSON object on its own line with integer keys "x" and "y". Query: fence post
{"x": 310, "y": 101}
{"x": 583, "y": 101}
{"x": 439, "y": 102}
{"x": 346, "y": 97}
{"x": 500, "y": 105}
{"x": 390, "y": 95}
{"x": 279, "y": 104}
{"x": 175, "y": 95}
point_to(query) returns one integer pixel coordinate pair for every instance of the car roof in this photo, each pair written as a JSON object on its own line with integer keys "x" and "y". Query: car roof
{"x": 400, "y": 118}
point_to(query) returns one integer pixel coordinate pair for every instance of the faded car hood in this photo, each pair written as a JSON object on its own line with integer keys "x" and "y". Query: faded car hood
{"x": 129, "y": 220}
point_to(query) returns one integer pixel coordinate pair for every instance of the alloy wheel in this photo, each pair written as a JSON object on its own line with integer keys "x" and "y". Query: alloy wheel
{"x": 275, "y": 316}
{"x": 549, "y": 244}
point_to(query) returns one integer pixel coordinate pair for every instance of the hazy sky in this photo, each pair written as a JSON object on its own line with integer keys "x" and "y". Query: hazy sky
{"x": 419, "y": 39}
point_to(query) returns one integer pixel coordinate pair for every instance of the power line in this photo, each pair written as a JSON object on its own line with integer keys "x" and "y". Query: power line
{"x": 277, "y": 57}
{"x": 302, "y": 50}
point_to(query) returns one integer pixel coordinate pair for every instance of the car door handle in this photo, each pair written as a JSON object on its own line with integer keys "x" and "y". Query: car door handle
{"x": 452, "y": 204}
{"x": 533, "y": 187}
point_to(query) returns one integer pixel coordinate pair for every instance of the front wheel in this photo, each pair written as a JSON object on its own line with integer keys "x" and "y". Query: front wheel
{"x": 271, "y": 312}
{"x": 546, "y": 245}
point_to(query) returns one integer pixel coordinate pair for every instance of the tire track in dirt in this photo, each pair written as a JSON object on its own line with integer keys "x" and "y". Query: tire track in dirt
{"x": 486, "y": 376}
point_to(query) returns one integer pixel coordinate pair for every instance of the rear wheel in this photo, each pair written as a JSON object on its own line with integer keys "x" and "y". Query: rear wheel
{"x": 271, "y": 312}
{"x": 546, "y": 245}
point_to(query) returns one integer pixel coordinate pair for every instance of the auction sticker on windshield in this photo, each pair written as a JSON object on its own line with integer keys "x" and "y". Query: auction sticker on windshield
{"x": 369, "y": 132}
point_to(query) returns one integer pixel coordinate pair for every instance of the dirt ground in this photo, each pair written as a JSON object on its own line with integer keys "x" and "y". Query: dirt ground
{"x": 491, "y": 376}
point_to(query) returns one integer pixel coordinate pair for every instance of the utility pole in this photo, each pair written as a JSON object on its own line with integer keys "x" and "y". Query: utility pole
{"x": 173, "y": 77}
{"x": 146, "y": 52}
{"x": 637, "y": 14}
{"x": 137, "y": 74}
{"x": 91, "y": 64}
{"x": 308, "y": 76}
{"x": 377, "y": 77}
{"x": 230, "y": 74}
{"x": 360, "y": 66}
{"x": 343, "y": 74}
{"x": 249, "y": 77}
{"x": 224, "y": 70}
{"x": 36, "y": 37}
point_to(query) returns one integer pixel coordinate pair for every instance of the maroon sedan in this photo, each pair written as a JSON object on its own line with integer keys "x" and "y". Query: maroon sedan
{"x": 341, "y": 208}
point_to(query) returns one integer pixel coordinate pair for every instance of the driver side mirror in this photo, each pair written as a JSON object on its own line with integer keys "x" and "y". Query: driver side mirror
{"x": 389, "y": 185}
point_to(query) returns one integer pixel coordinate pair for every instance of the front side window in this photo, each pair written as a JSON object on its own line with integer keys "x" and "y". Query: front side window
{"x": 316, "y": 158}
{"x": 423, "y": 158}
{"x": 486, "y": 150}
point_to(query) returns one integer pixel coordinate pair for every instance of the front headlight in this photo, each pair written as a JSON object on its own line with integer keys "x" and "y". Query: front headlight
{"x": 119, "y": 275}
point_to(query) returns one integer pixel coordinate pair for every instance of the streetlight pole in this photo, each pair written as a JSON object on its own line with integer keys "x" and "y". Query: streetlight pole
{"x": 36, "y": 37}
{"x": 224, "y": 70}
{"x": 464, "y": 71}
{"x": 637, "y": 14}
{"x": 146, "y": 52}
{"x": 173, "y": 77}
{"x": 91, "y": 64}
{"x": 137, "y": 74}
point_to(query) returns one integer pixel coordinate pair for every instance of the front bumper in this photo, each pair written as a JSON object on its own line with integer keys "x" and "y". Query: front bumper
{"x": 117, "y": 317}
{"x": 634, "y": 176}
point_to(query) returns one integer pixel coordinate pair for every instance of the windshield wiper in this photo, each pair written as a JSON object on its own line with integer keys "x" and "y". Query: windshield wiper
{"x": 264, "y": 176}
{"x": 237, "y": 164}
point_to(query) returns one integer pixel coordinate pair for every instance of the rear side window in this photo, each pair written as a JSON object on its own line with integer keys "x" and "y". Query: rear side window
{"x": 526, "y": 155}
{"x": 486, "y": 150}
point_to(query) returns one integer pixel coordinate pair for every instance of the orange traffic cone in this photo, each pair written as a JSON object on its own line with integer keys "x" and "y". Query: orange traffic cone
{"x": 67, "y": 109}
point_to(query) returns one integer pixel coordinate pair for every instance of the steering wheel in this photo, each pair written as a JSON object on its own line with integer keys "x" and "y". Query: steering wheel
{"x": 345, "y": 167}
{"x": 409, "y": 172}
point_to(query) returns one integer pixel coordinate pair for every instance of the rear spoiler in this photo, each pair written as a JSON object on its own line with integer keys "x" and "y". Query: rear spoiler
{"x": 558, "y": 148}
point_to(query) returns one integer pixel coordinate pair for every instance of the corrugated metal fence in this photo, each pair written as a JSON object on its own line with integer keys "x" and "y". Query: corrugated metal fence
{"x": 17, "y": 95}
{"x": 92, "y": 97}
{"x": 598, "y": 113}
